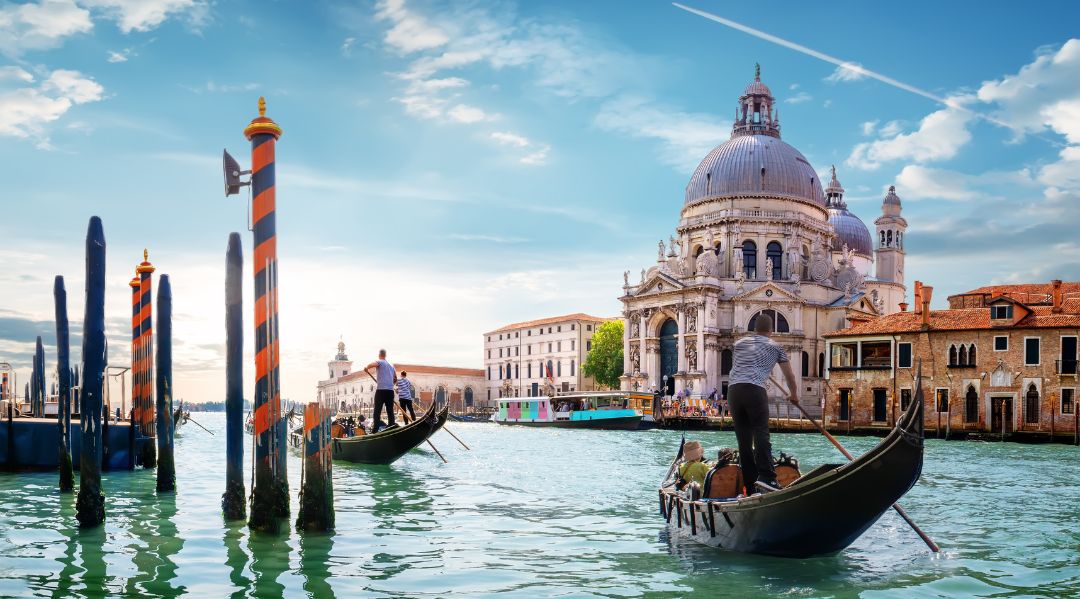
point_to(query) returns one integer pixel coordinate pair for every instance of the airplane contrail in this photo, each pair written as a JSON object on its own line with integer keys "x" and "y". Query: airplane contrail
{"x": 844, "y": 64}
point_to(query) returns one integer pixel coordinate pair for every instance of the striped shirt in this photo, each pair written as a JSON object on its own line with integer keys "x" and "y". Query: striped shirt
{"x": 755, "y": 356}
{"x": 404, "y": 388}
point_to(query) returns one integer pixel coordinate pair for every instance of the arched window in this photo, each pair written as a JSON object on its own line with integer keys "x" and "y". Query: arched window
{"x": 725, "y": 362}
{"x": 962, "y": 359}
{"x": 776, "y": 253}
{"x": 500, "y": 372}
{"x": 952, "y": 355}
{"x": 821, "y": 364}
{"x": 468, "y": 397}
{"x": 888, "y": 239}
{"x": 550, "y": 370}
{"x": 883, "y": 239}
{"x": 899, "y": 240}
{"x": 780, "y": 324}
{"x": 749, "y": 257}
{"x": 971, "y": 355}
{"x": 1031, "y": 405}
{"x": 440, "y": 395}
{"x": 571, "y": 368}
{"x": 698, "y": 251}
{"x": 805, "y": 364}
{"x": 971, "y": 405}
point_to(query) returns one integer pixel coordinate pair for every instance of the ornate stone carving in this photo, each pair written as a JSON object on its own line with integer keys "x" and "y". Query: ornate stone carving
{"x": 626, "y": 278}
{"x": 707, "y": 264}
{"x": 768, "y": 269}
{"x": 660, "y": 251}
{"x": 740, "y": 281}
{"x": 643, "y": 276}
{"x": 635, "y": 359}
{"x": 691, "y": 318}
{"x": 635, "y": 329}
{"x": 691, "y": 354}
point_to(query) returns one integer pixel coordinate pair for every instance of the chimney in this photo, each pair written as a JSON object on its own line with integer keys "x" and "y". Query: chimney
{"x": 918, "y": 297}
{"x": 1057, "y": 295}
{"x": 927, "y": 293}
{"x": 903, "y": 306}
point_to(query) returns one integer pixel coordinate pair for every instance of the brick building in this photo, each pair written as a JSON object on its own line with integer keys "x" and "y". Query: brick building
{"x": 1001, "y": 359}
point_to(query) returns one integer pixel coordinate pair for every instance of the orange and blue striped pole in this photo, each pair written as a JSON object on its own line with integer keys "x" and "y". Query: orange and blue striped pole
{"x": 146, "y": 344}
{"x": 270, "y": 495}
{"x": 135, "y": 311}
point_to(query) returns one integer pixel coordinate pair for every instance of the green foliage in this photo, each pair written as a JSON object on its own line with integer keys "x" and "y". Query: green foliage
{"x": 605, "y": 362}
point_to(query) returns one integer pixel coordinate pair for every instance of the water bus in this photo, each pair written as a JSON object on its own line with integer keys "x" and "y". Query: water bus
{"x": 601, "y": 410}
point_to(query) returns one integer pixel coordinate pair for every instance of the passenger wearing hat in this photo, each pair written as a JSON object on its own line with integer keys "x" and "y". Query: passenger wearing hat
{"x": 693, "y": 469}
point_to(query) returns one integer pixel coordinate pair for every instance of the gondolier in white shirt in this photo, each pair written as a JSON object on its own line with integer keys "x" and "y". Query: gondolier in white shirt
{"x": 405, "y": 394}
{"x": 754, "y": 358}
{"x": 385, "y": 376}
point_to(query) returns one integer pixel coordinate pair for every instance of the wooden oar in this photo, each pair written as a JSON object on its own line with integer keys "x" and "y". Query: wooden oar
{"x": 896, "y": 506}
{"x": 455, "y": 437}
{"x": 192, "y": 420}
{"x": 405, "y": 419}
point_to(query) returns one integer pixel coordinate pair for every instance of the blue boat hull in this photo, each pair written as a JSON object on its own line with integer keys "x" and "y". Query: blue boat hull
{"x": 36, "y": 443}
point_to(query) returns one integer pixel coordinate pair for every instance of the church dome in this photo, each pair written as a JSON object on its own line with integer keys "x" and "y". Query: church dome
{"x": 850, "y": 230}
{"x": 755, "y": 162}
{"x": 755, "y": 165}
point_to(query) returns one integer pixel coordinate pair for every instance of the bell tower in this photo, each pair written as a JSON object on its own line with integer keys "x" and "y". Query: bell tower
{"x": 341, "y": 365}
{"x": 756, "y": 113}
{"x": 889, "y": 255}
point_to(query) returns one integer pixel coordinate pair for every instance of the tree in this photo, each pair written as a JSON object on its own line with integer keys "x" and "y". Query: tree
{"x": 604, "y": 363}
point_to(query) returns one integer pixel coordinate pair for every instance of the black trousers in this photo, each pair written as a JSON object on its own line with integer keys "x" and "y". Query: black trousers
{"x": 406, "y": 405}
{"x": 749, "y": 407}
{"x": 384, "y": 397}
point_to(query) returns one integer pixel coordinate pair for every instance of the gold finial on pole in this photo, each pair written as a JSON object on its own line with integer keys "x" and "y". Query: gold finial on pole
{"x": 262, "y": 106}
{"x": 145, "y": 254}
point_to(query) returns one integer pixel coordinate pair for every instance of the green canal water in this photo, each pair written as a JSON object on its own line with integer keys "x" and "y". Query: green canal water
{"x": 540, "y": 513}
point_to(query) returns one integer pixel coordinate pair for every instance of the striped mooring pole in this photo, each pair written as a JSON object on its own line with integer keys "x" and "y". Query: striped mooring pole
{"x": 166, "y": 466}
{"x": 270, "y": 495}
{"x": 136, "y": 312}
{"x": 233, "y": 501}
{"x": 90, "y": 505}
{"x": 63, "y": 395}
{"x": 317, "y": 485}
{"x": 146, "y": 359}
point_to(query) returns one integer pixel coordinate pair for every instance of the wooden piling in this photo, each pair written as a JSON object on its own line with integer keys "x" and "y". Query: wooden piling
{"x": 146, "y": 337}
{"x": 270, "y": 495}
{"x": 232, "y": 502}
{"x": 38, "y": 387}
{"x": 90, "y": 505}
{"x": 166, "y": 466}
{"x": 316, "y": 487}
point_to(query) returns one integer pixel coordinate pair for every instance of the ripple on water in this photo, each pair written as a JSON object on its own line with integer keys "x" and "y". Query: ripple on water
{"x": 539, "y": 513}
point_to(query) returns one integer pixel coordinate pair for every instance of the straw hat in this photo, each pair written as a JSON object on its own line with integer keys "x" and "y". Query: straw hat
{"x": 693, "y": 451}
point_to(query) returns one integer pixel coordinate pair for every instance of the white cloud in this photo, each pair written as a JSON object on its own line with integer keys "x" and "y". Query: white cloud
{"x": 143, "y": 15}
{"x": 410, "y": 32}
{"x": 684, "y": 137}
{"x": 218, "y": 88}
{"x": 537, "y": 152}
{"x": 40, "y": 25}
{"x": 347, "y": 46}
{"x": 114, "y": 56}
{"x": 849, "y": 71}
{"x": 891, "y": 129}
{"x": 463, "y": 113}
{"x": 868, "y": 127}
{"x": 798, "y": 98}
{"x": 15, "y": 73}
{"x": 919, "y": 182}
{"x": 940, "y": 136}
{"x": 25, "y": 111}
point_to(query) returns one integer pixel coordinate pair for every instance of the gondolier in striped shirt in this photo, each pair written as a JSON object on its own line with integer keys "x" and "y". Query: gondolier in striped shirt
{"x": 405, "y": 394}
{"x": 754, "y": 358}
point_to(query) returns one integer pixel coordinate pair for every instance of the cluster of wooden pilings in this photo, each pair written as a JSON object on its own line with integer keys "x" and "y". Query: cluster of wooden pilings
{"x": 270, "y": 486}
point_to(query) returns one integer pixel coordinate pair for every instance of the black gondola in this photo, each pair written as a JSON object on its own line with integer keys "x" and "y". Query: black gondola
{"x": 820, "y": 513}
{"x": 387, "y": 446}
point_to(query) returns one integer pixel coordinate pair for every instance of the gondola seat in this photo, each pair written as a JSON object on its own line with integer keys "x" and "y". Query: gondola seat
{"x": 723, "y": 481}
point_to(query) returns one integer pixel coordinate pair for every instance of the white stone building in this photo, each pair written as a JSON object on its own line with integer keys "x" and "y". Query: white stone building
{"x": 757, "y": 234}
{"x": 461, "y": 387}
{"x": 538, "y": 357}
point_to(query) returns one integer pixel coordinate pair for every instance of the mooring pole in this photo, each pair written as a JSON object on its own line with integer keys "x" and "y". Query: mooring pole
{"x": 146, "y": 344}
{"x": 90, "y": 506}
{"x": 270, "y": 497}
{"x": 316, "y": 492}
{"x": 136, "y": 372}
{"x": 166, "y": 467}
{"x": 63, "y": 395}
{"x": 232, "y": 502}
{"x": 39, "y": 379}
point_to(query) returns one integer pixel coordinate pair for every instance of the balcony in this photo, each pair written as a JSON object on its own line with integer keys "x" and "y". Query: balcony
{"x": 958, "y": 365}
{"x": 1067, "y": 367}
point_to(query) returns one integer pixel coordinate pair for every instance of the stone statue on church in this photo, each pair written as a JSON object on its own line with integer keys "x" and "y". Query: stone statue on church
{"x": 626, "y": 278}
{"x": 635, "y": 359}
{"x": 660, "y": 251}
{"x": 768, "y": 269}
{"x": 691, "y": 355}
{"x": 643, "y": 276}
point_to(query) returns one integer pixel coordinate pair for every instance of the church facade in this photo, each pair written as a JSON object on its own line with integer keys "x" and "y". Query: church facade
{"x": 758, "y": 234}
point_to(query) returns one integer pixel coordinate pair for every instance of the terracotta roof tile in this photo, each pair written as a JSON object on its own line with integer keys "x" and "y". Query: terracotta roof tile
{"x": 1028, "y": 293}
{"x": 535, "y": 323}
{"x": 966, "y": 319}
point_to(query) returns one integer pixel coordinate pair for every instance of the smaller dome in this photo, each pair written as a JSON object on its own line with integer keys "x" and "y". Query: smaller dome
{"x": 757, "y": 88}
{"x": 891, "y": 199}
{"x": 850, "y": 230}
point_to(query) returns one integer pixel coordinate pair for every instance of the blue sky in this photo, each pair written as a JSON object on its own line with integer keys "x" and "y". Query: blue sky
{"x": 448, "y": 167}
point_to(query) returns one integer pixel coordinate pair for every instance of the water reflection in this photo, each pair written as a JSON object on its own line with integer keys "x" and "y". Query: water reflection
{"x": 269, "y": 559}
{"x": 315, "y": 549}
{"x": 92, "y": 556}
{"x": 236, "y": 558}
{"x": 150, "y": 519}
{"x": 69, "y": 570}
{"x": 398, "y": 496}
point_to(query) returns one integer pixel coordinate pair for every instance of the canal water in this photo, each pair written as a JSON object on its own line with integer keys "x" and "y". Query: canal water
{"x": 540, "y": 513}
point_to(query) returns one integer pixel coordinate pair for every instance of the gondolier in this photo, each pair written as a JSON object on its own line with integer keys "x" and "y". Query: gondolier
{"x": 405, "y": 393}
{"x": 385, "y": 376}
{"x": 754, "y": 358}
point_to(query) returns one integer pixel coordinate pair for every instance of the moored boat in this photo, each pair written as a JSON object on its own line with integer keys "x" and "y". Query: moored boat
{"x": 819, "y": 513}
{"x": 387, "y": 445}
{"x": 600, "y": 410}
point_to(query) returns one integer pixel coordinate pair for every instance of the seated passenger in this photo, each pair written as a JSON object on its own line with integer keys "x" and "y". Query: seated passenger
{"x": 693, "y": 469}
{"x": 361, "y": 427}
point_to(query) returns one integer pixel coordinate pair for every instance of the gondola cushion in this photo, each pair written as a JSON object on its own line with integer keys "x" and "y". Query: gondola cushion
{"x": 723, "y": 481}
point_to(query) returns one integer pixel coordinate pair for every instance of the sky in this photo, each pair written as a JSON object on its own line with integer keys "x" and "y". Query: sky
{"x": 450, "y": 167}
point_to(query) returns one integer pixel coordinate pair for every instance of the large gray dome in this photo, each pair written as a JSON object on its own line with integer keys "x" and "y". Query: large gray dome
{"x": 850, "y": 230}
{"x": 755, "y": 165}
